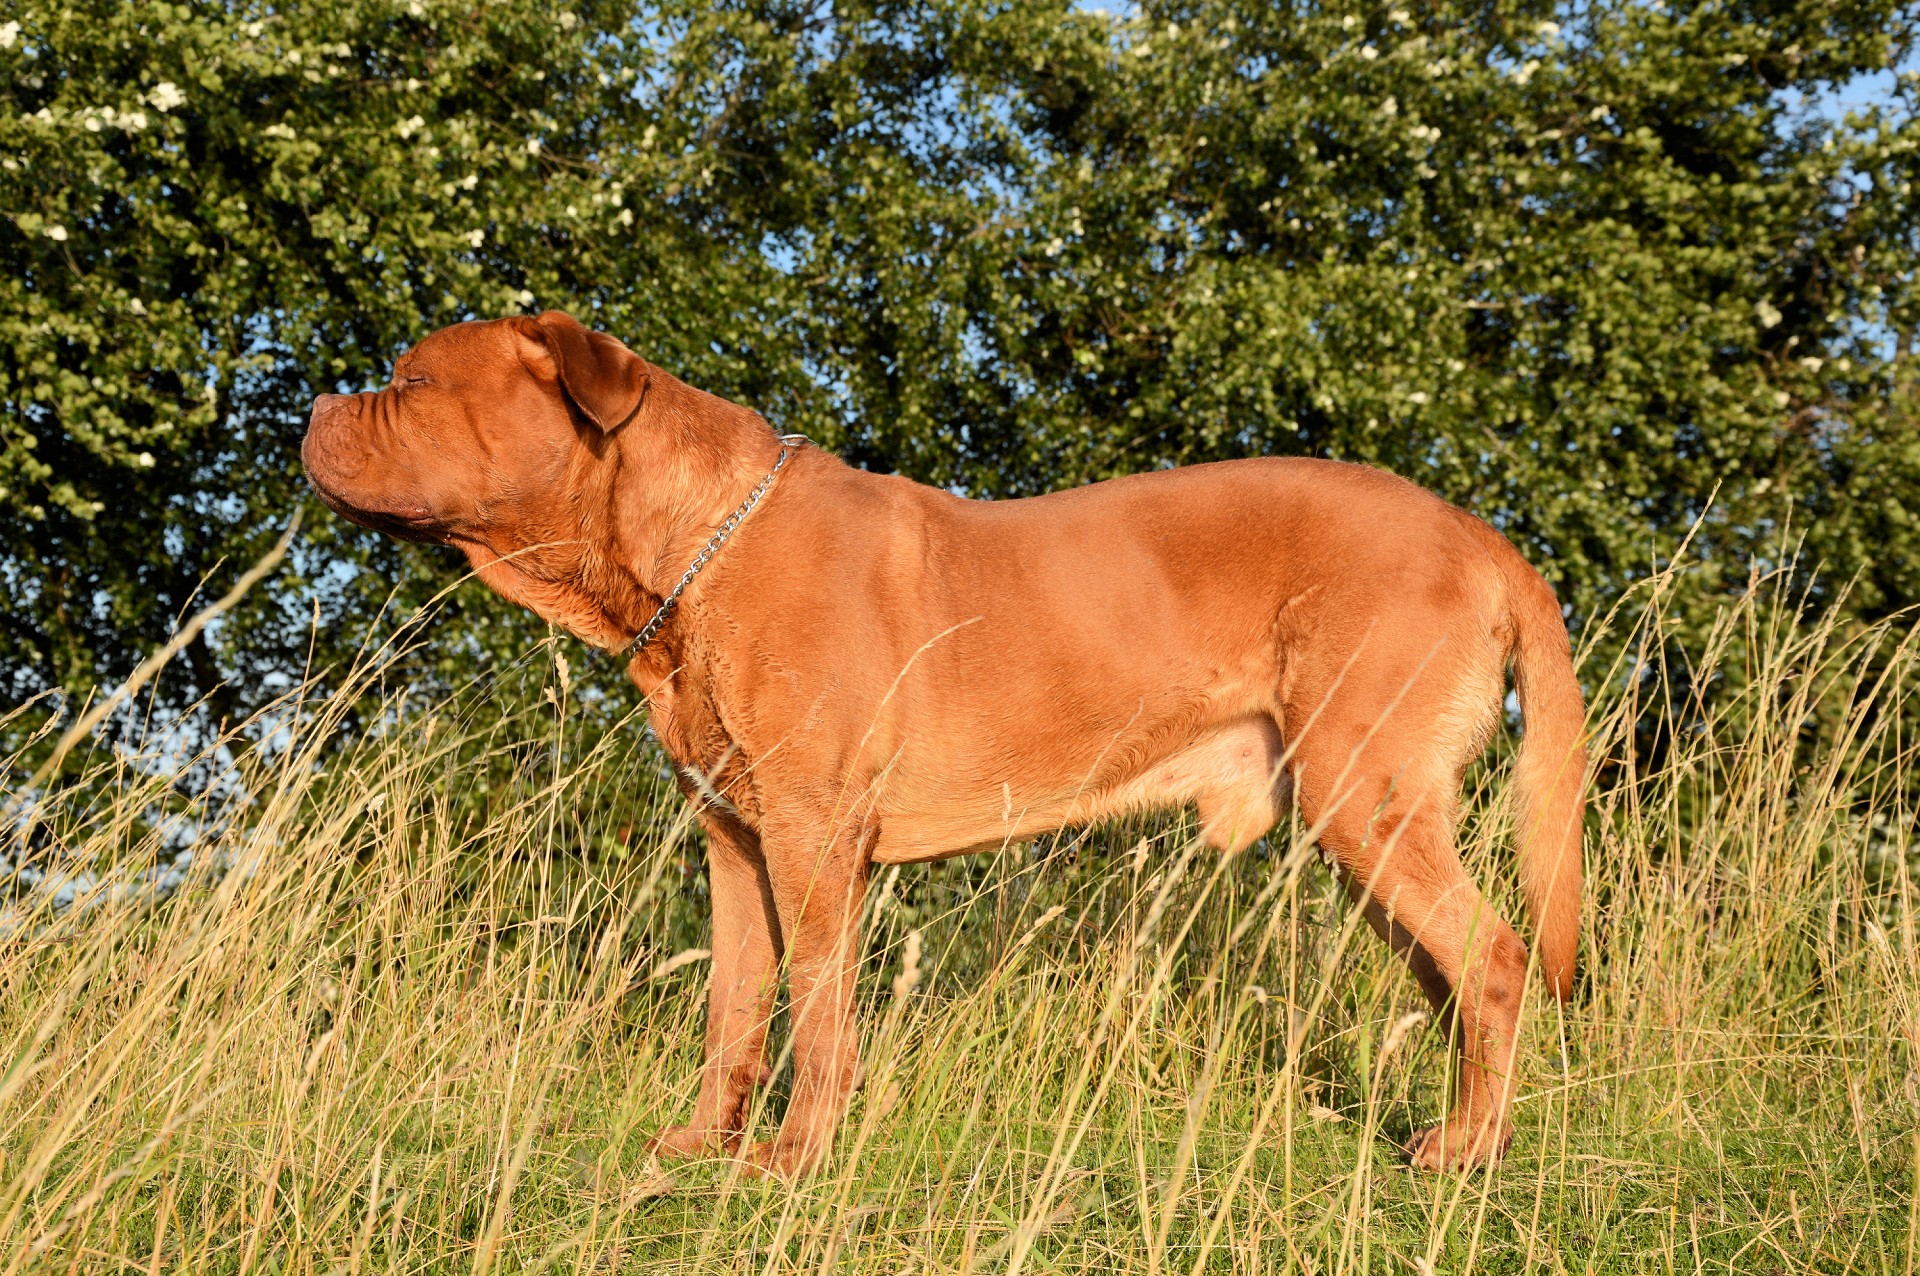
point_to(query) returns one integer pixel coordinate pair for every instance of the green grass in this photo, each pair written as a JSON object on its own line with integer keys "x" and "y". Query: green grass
{"x": 430, "y": 1022}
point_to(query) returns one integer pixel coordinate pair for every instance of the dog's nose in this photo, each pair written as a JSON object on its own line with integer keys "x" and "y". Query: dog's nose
{"x": 333, "y": 449}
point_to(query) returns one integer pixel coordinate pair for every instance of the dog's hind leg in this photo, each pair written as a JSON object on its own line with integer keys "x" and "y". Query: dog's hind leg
{"x": 1389, "y": 831}
{"x": 746, "y": 953}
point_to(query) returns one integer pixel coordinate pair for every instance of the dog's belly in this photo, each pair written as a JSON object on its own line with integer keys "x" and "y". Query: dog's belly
{"x": 1231, "y": 771}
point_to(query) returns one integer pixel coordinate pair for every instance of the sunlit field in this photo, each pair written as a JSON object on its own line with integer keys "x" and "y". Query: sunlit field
{"x": 433, "y": 977}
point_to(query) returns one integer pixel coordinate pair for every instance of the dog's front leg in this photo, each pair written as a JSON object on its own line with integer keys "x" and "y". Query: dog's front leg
{"x": 819, "y": 881}
{"x": 746, "y": 953}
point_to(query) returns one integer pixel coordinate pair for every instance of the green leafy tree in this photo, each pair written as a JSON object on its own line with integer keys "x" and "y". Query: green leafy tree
{"x": 1571, "y": 267}
{"x": 214, "y": 216}
{"x": 1573, "y": 272}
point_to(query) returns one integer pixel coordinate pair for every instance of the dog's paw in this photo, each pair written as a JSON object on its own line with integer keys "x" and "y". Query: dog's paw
{"x": 688, "y": 1141}
{"x": 1456, "y": 1145}
{"x": 779, "y": 1159}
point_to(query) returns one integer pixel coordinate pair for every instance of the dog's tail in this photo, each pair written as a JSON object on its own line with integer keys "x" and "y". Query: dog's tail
{"x": 1550, "y": 775}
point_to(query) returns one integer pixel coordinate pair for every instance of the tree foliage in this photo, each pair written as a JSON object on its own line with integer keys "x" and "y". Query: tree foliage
{"x": 1572, "y": 267}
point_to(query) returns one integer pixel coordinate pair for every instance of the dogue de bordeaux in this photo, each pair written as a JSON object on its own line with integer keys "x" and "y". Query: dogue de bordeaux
{"x": 871, "y": 672}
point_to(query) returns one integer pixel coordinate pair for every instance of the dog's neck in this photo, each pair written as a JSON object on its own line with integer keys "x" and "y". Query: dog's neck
{"x": 685, "y": 461}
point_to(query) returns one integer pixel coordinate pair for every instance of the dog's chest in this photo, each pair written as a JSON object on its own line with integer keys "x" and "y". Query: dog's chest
{"x": 711, "y": 767}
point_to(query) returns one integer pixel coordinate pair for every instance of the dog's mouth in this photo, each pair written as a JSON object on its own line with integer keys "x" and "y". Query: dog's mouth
{"x": 408, "y": 522}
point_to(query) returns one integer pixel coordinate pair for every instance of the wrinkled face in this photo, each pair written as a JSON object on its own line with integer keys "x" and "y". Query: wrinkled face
{"x": 484, "y": 441}
{"x": 461, "y": 427}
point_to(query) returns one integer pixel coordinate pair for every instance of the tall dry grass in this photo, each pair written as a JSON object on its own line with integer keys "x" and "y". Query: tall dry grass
{"x": 416, "y": 1007}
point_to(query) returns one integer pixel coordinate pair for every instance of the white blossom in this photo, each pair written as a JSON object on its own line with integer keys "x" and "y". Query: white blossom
{"x": 568, "y": 20}
{"x": 626, "y": 217}
{"x": 533, "y": 146}
{"x": 524, "y": 296}
{"x": 1548, "y": 30}
{"x": 166, "y": 95}
{"x": 279, "y": 130}
{"x": 133, "y": 121}
{"x": 144, "y": 460}
{"x": 470, "y": 181}
{"x": 1766, "y": 312}
{"x": 136, "y": 307}
{"x": 1418, "y": 398}
{"x": 476, "y": 237}
{"x": 1525, "y": 70}
{"x": 1390, "y": 107}
{"x": 57, "y": 233}
{"x": 8, "y": 34}
{"x": 409, "y": 126}
{"x": 1368, "y": 52}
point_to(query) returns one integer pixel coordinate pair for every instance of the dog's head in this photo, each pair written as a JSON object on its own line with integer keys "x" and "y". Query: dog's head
{"x": 488, "y": 438}
{"x": 480, "y": 429}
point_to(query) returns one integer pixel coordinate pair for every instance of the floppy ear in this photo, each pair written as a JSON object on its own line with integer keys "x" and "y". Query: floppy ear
{"x": 605, "y": 380}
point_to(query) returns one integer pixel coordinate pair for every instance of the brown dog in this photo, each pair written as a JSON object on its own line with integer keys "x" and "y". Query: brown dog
{"x": 876, "y": 672}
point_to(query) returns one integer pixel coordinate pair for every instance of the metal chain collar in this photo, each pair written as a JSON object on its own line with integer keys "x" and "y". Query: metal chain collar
{"x": 652, "y": 628}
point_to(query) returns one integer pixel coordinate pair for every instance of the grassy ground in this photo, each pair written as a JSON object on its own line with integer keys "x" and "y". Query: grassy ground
{"x": 428, "y": 1018}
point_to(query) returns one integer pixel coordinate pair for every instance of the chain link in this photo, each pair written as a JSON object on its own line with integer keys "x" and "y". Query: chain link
{"x": 707, "y": 551}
